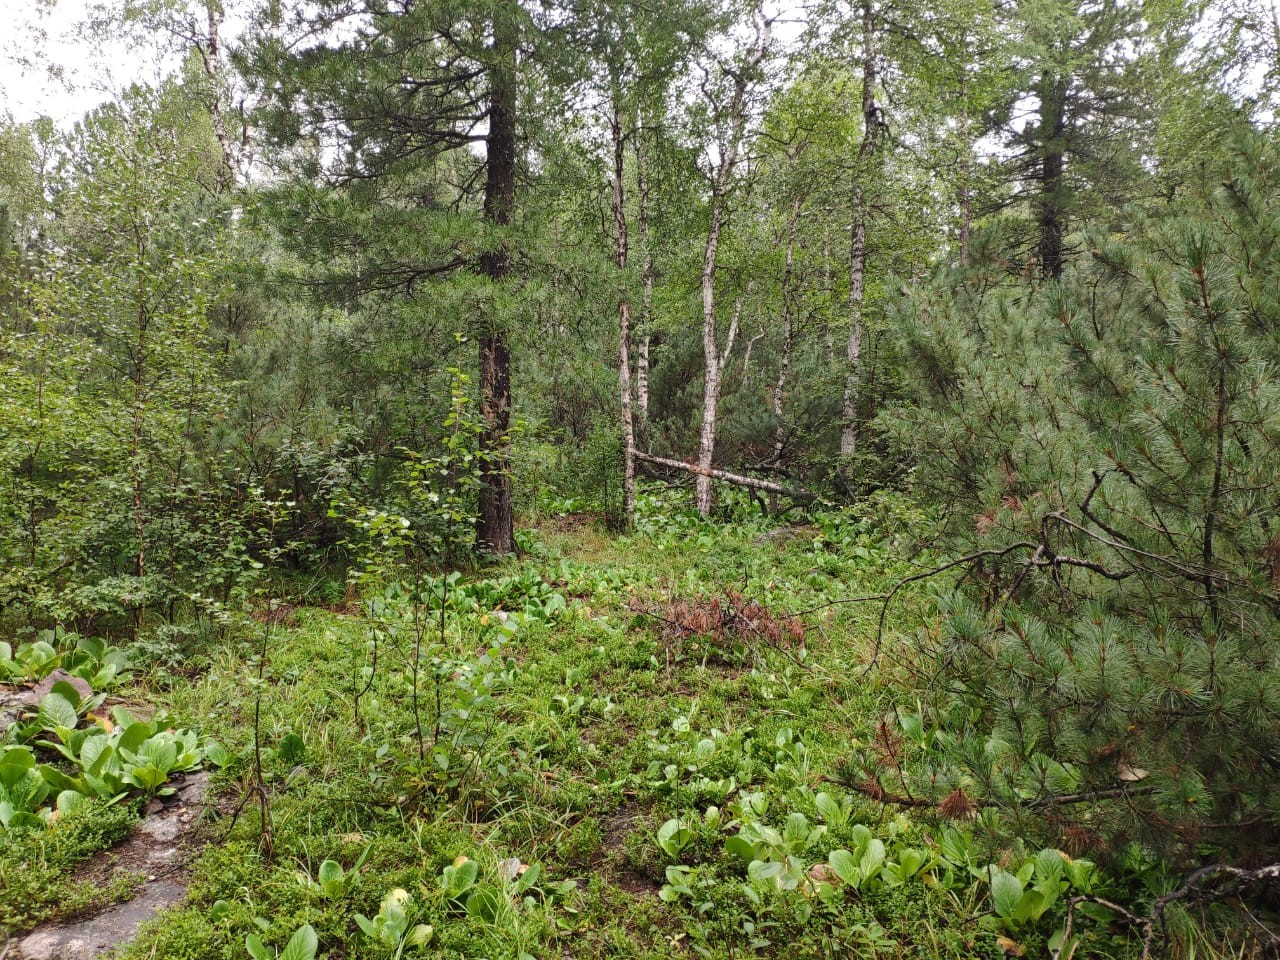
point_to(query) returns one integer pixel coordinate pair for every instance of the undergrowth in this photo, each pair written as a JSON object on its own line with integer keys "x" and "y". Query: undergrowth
{"x": 642, "y": 746}
{"x": 36, "y": 866}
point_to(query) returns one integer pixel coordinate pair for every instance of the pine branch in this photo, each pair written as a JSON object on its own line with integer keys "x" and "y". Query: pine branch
{"x": 1192, "y": 891}
{"x": 914, "y": 578}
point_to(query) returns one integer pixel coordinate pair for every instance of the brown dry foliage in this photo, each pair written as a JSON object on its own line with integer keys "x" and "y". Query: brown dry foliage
{"x": 1272, "y": 554}
{"x": 724, "y": 620}
{"x": 957, "y": 805}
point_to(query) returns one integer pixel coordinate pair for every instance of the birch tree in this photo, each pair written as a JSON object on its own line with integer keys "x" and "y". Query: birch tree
{"x": 865, "y": 175}
{"x": 729, "y": 98}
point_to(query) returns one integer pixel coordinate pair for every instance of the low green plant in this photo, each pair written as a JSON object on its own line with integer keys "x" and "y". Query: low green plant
{"x": 392, "y": 927}
{"x": 331, "y": 881}
{"x": 1022, "y": 896}
{"x": 774, "y": 858}
{"x": 91, "y": 659}
{"x": 860, "y": 867}
{"x": 674, "y": 836}
{"x": 38, "y": 856}
{"x": 106, "y": 762}
{"x": 301, "y": 946}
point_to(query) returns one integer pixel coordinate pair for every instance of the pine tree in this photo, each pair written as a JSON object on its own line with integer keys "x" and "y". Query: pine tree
{"x": 382, "y": 109}
{"x": 1111, "y": 445}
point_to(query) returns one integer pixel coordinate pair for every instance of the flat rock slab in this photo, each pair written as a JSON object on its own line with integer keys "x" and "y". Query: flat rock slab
{"x": 14, "y": 703}
{"x": 158, "y": 849}
{"x": 96, "y": 935}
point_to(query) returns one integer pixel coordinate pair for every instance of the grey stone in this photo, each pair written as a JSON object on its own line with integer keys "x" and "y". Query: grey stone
{"x": 157, "y": 850}
{"x": 88, "y": 938}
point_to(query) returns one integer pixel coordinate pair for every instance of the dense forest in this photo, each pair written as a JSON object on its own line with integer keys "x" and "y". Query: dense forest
{"x": 585, "y": 478}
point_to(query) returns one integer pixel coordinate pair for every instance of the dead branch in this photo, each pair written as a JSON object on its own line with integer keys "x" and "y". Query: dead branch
{"x": 1192, "y": 891}
{"x": 733, "y": 478}
{"x": 914, "y": 578}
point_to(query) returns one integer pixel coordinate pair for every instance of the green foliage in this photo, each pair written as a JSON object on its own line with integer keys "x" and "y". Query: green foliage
{"x": 1110, "y": 442}
{"x": 674, "y": 836}
{"x": 105, "y": 761}
{"x": 390, "y": 927}
{"x": 110, "y": 378}
{"x": 36, "y": 863}
{"x": 91, "y": 659}
{"x": 301, "y": 946}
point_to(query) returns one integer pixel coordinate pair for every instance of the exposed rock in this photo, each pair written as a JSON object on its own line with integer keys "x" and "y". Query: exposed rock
{"x": 96, "y": 935}
{"x": 45, "y": 686}
{"x": 158, "y": 850}
{"x": 14, "y": 702}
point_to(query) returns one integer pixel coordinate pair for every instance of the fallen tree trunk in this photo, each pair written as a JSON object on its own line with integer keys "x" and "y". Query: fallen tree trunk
{"x": 733, "y": 478}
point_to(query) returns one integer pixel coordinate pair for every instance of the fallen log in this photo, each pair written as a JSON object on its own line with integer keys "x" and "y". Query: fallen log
{"x": 768, "y": 486}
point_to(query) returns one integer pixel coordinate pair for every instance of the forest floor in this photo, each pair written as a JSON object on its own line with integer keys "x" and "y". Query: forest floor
{"x": 594, "y": 721}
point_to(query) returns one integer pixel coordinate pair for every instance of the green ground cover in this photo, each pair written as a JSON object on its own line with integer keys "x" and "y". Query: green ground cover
{"x": 651, "y": 745}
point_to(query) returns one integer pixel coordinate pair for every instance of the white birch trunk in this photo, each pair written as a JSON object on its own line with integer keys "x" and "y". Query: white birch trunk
{"x": 646, "y": 267}
{"x": 862, "y": 175}
{"x": 624, "y": 322}
{"x": 788, "y": 334}
{"x": 713, "y": 358}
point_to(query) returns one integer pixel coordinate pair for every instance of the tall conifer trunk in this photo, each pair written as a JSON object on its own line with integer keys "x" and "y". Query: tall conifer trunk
{"x": 1051, "y": 219}
{"x": 495, "y": 525}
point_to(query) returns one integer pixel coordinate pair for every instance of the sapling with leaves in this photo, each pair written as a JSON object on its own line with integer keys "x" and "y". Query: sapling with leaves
{"x": 121, "y": 390}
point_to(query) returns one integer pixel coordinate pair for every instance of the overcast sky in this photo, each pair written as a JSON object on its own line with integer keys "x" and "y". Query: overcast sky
{"x": 47, "y": 67}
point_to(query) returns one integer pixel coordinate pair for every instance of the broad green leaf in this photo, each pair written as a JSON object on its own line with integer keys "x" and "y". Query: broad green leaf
{"x": 68, "y": 693}
{"x": 57, "y": 711}
{"x": 14, "y": 764}
{"x": 1050, "y": 867}
{"x": 872, "y": 859}
{"x": 764, "y": 869}
{"x": 741, "y": 848}
{"x": 420, "y": 935}
{"x": 57, "y": 779}
{"x": 485, "y": 903}
{"x": 161, "y": 752}
{"x": 69, "y": 801}
{"x": 829, "y": 809}
{"x": 846, "y": 867}
{"x": 302, "y": 945}
{"x": 331, "y": 872}
{"x": 1006, "y": 890}
{"x": 257, "y": 949}
{"x": 1083, "y": 874}
{"x": 133, "y": 737}
{"x": 796, "y": 828}
{"x": 674, "y": 836}
{"x": 1031, "y": 905}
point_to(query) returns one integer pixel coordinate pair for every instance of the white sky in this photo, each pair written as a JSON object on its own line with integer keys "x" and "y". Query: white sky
{"x": 48, "y": 67}
{"x": 39, "y": 40}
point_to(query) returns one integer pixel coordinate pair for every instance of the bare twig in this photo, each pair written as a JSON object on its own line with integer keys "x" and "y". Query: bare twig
{"x": 914, "y": 578}
{"x": 1192, "y": 890}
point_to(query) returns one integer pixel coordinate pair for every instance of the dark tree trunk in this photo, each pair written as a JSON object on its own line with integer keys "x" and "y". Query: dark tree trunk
{"x": 1051, "y": 217}
{"x": 495, "y": 523}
